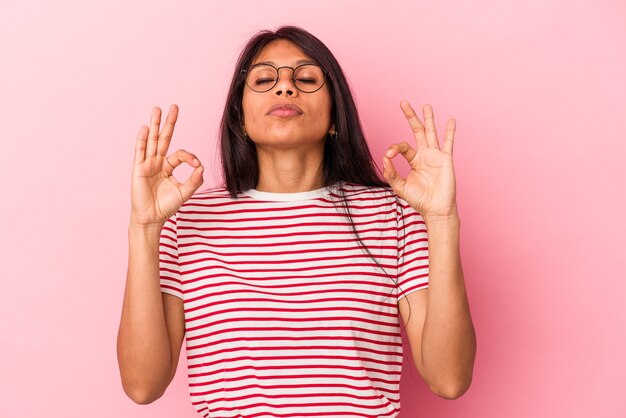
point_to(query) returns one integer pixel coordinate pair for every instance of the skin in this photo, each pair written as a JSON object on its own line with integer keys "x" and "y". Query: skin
{"x": 290, "y": 150}
{"x": 152, "y": 325}
{"x": 440, "y": 329}
{"x": 155, "y": 193}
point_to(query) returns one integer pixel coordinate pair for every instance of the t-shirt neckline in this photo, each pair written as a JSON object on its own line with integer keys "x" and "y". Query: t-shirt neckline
{"x": 287, "y": 197}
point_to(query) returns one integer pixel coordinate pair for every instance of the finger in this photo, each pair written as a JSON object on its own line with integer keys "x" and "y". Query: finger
{"x": 448, "y": 141}
{"x": 153, "y": 136}
{"x": 391, "y": 175}
{"x": 429, "y": 124}
{"x": 407, "y": 151}
{"x": 188, "y": 188}
{"x": 416, "y": 126}
{"x": 140, "y": 145}
{"x": 168, "y": 130}
{"x": 176, "y": 159}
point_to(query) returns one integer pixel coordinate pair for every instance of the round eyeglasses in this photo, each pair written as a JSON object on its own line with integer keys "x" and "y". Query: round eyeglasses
{"x": 308, "y": 78}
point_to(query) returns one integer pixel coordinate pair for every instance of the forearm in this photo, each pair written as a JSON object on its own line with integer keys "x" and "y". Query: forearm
{"x": 448, "y": 340}
{"x": 143, "y": 347}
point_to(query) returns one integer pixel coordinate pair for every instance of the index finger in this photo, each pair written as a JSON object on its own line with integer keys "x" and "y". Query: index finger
{"x": 168, "y": 130}
{"x": 416, "y": 125}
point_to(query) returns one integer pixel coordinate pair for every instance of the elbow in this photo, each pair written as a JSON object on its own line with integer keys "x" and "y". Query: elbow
{"x": 142, "y": 397}
{"x": 140, "y": 394}
{"x": 452, "y": 391}
{"x": 142, "y": 389}
{"x": 453, "y": 383}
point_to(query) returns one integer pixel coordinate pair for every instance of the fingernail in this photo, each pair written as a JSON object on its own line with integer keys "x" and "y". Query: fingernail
{"x": 195, "y": 160}
{"x": 389, "y": 153}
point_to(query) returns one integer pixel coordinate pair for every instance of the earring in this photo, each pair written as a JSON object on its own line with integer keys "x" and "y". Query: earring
{"x": 333, "y": 136}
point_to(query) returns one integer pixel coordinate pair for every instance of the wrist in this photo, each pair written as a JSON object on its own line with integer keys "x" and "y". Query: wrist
{"x": 448, "y": 220}
{"x": 146, "y": 228}
{"x": 452, "y": 216}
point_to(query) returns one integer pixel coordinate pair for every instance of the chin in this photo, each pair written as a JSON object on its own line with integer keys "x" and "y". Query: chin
{"x": 285, "y": 141}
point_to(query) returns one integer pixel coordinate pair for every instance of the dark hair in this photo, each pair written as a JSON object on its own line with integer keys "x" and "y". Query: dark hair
{"x": 346, "y": 158}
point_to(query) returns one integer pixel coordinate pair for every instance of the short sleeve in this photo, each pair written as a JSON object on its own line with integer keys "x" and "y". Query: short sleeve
{"x": 412, "y": 272}
{"x": 169, "y": 269}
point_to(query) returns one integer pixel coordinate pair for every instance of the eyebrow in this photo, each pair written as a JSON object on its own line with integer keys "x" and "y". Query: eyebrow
{"x": 299, "y": 62}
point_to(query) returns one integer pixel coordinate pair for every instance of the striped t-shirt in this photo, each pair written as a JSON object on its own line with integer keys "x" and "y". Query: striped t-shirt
{"x": 285, "y": 314}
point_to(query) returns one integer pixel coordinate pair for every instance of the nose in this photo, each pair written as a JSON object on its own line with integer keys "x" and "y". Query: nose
{"x": 285, "y": 82}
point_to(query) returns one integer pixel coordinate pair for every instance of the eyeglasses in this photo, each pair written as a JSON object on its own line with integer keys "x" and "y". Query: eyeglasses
{"x": 308, "y": 78}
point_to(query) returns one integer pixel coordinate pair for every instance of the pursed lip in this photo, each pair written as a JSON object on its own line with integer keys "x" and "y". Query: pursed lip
{"x": 284, "y": 106}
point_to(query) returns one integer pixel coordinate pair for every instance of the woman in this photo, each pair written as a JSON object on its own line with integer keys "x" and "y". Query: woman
{"x": 288, "y": 279}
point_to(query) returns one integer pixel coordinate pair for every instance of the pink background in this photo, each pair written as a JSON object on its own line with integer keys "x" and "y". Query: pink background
{"x": 538, "y": 91}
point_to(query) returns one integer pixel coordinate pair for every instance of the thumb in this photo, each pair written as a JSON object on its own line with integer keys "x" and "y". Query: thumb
{"x": 391, "y": 175}
{"x": 195, "y": 180}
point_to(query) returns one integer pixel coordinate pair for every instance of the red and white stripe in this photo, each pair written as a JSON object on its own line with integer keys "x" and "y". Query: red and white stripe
{"x": 286, "y": 316}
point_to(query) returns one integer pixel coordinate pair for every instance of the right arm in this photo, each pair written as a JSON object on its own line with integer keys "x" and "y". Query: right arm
{"x": 152, "y": 325}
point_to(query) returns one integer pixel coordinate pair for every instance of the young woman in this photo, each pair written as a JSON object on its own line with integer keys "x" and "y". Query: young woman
{"x": 288, "y": 280}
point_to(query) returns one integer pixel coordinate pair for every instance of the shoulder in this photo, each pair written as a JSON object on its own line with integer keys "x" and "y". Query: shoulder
{"x": 208, "y": 195}
{"x": 383, "y": 196}
{"x": 378, "y": 195}
{"x": 205, "y": 201}
{"x": 354, "y": 191}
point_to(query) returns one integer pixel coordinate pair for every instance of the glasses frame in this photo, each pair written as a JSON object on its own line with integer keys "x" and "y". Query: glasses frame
{"x": 293, "y": 71}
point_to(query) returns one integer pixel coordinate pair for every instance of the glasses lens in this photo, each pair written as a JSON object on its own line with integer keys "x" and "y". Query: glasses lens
{"x": 308, "y": 78}
{"x": 261, "y": 77}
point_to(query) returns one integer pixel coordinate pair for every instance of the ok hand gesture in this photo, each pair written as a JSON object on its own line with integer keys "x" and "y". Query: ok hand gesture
{"x": 430, "y": 186}
{"x": 155, "y": 194}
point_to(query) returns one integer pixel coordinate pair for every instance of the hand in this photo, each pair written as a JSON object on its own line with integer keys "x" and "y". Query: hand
{"x": 430, "y": 186}
{"x": 155, "y": 194}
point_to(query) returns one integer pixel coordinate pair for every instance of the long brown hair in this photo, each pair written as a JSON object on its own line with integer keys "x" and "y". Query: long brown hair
{"x": 347, "y": 157}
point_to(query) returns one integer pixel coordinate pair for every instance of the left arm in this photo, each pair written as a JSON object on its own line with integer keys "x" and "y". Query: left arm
{"x": 448, "y": 345}
{"x": 441, "y": 333}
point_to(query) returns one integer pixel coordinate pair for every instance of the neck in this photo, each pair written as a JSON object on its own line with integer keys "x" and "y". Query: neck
{"x": 290, "y": 170}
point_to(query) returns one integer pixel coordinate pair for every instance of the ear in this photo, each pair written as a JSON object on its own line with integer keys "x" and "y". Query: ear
{"x": 332, "y": 129}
